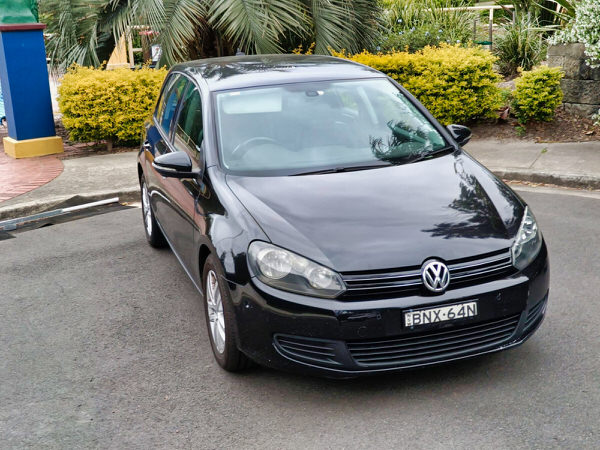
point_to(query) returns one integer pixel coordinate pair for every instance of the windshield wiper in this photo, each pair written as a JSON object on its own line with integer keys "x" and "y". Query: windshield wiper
{"x": 342, "y": 169}
{"x": 391, "y": 162}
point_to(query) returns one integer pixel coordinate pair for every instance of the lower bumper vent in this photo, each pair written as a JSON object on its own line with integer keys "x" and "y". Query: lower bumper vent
{"x": 434, "y": 345}
{"x": 309, "y": 350}
{"x": 534, "y": 314}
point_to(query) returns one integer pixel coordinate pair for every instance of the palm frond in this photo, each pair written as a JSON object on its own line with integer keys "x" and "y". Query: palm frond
{"x": 178, "y": 28}
{"x": 366, "y": 23}
{"x": 343, "y": 24}
{"x": 85, "y": 31}
{"x": 118, "y": 15}
{"x": 256, "y": 26}
{"x": 175, "y": 21}
{"x": 73, "y": 32}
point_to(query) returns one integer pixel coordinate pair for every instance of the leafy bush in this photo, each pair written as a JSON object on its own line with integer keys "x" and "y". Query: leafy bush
{"x": 537, "y": 94}
{"x": 455, "y": 84}
{"x": 412, "y": 25}
{"x": 584, "y": 27}
{"x": 521, "y": 45}
{"x": 109, "y": 105}
{"x": 417, "y": 38}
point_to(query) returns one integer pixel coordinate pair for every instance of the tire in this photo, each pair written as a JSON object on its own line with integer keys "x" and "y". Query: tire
{"x": 220, "y": 318}
{"x": 154, "y": 235}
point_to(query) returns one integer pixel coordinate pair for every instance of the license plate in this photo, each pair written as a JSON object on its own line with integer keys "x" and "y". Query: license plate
{"x": 441, "y": 314}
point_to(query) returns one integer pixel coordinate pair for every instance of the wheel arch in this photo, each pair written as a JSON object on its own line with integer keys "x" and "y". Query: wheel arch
{"x": 203, "y": 255}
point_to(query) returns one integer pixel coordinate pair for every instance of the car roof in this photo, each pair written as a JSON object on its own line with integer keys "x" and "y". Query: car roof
{"x": 236, "y": 72}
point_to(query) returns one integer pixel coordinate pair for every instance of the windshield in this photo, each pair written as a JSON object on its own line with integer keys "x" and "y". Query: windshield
{"x": 304, "y": 127}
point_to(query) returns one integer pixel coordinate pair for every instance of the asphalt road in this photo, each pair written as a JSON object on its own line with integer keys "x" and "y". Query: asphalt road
{"x": 103, "y": 344}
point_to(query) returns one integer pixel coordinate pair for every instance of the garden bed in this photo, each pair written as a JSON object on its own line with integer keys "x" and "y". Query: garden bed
{"x": 78, "y": 150}
{"x": 565, "y": 127}
{"x": 82, "y": 150}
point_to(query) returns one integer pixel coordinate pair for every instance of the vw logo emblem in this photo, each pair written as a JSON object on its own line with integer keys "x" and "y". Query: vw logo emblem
{"x": 436, "y": 276}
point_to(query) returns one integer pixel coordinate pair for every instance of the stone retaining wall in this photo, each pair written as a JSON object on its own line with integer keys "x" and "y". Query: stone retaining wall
{"x": 581, "y": 84}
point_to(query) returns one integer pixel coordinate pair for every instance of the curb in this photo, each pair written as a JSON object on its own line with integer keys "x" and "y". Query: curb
{"x": 576, "y": 181}
{"x": 35, "y": 207}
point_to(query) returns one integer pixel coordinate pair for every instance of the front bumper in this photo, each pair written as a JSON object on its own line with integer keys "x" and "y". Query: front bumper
{"x": 350, "y": 338}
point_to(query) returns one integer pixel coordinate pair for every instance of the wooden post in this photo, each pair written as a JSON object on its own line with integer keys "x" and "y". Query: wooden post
{"x": 130, "y": 48}
{"x": 491, "y": 25}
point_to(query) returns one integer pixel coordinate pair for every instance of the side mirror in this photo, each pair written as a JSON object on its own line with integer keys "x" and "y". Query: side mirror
{"x": 174, "y": 165}
{"x": 460, "y": 133}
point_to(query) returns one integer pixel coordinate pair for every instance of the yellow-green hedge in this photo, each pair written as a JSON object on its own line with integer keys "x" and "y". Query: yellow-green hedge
{"x": 456, "y": 84}
{"x": 109, "y": 105}
{"x": 538, "y": 94}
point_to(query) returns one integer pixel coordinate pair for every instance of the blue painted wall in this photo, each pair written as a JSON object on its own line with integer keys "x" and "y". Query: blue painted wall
{"x": 24, "y": 77}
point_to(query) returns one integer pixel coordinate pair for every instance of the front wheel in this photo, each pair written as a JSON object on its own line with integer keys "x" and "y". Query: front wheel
{"x": 154, "y": 235}
{"x": 220, "y": 320}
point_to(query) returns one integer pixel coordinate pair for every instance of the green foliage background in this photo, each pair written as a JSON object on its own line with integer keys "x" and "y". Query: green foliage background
{"x": 456, "y": 84}
{"x": 85, "y": 31}
{"x": 108, "y": 105}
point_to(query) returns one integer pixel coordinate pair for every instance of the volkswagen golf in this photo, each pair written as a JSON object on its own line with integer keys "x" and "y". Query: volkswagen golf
{"x": 330, "y": 224}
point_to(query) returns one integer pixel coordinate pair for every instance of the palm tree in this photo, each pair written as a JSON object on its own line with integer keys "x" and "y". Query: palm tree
{"x": 85, "y": 31}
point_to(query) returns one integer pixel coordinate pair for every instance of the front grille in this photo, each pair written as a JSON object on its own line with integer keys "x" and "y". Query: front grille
{"x": 307, "y": 349}
{"x": 431, "y": 346}
{"x": 534, "y": 314}
{"x": 407, "y": 281}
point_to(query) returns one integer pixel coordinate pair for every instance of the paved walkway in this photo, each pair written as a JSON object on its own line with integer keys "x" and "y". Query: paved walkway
{"x": 83, "y": 180}
{"x": 572, "y": 164}
{"x": 18, "y": 176}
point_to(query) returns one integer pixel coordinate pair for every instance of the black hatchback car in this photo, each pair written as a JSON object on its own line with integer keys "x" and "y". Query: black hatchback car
{"x": 330, "y": 223}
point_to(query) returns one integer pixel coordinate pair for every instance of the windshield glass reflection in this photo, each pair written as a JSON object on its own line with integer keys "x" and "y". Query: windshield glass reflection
{"x": 305, "y": 126}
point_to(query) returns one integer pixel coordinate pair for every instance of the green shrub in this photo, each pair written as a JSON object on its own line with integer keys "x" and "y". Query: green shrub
{"x": 109, "y": 105}
{"x": 521, "y": 45}
{"x": 455, "y": 84}
{"x": 537, "y": 94}
{"x": 412, "y": 25}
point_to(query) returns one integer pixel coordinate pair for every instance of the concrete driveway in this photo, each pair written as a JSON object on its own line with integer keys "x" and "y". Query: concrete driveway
{"x": 103, "y": 345}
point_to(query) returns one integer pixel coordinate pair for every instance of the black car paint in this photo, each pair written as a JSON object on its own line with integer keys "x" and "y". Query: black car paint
{"x": 447, "y": 207}
{"x": 461, "y": 134}
{"x": 414, "y": 218}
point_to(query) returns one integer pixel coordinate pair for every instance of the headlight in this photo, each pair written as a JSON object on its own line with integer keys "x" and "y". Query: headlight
{"x": 528, "y": 242}
{"x": 285, "y": 270}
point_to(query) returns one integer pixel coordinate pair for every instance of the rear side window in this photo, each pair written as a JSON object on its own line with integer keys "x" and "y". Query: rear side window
{"x": 189, "y": 131}
{"x": 168, "y": 103}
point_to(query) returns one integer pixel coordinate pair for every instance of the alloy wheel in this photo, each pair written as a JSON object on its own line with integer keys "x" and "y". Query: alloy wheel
{"x": 146, "y": 209}
{"x": 215, "y": 311}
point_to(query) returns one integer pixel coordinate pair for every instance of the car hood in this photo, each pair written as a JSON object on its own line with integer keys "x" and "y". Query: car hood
{"x": 449, "y": 207}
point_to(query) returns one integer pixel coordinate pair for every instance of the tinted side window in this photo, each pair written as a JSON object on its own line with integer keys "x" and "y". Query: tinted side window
{"x": 160, "y": 107}
{"x": 189, "y": 131}
{"x": 169, "y": 102}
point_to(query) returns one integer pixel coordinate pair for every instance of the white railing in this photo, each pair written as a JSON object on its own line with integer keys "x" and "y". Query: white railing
{"x": 491, "y": 9}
